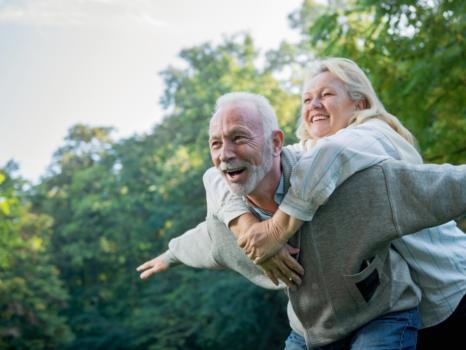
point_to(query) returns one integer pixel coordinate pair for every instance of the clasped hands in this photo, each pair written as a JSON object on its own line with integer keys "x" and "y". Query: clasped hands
{"x": 264, "y": 239}
{"x": 266, "y": 244}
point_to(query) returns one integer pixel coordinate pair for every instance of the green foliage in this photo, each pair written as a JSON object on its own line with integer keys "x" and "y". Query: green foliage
{"x": 31, "y": 293}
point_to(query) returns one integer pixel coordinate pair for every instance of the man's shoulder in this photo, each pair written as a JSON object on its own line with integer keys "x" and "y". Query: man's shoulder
{"x": 291, "y": 154}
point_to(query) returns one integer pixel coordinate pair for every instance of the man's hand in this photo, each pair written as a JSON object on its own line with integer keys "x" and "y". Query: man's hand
{"x": 152, "y": 267}
{"x": 266, "y": 238}
{"x": 282, "y": 266}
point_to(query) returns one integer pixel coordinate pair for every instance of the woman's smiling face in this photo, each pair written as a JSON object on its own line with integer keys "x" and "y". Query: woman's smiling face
{"x": 326, "y": 105}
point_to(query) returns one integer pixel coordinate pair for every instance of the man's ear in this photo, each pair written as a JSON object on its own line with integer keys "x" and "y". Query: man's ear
{"x": 278, "y": 138}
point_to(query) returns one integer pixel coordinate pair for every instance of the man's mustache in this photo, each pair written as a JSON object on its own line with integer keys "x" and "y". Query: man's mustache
{"x": 233, "y": 165}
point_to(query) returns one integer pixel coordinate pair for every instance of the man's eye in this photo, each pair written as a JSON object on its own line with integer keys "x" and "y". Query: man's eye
{"x": 215, "y": 144}
{"x": 239, "y": 138}
{"x": 306, "y": 101}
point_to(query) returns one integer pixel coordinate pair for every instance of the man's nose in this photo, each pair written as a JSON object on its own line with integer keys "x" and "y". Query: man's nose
{"x": 227, "y": 152}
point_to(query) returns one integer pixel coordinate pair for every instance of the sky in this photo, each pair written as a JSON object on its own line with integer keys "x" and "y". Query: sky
{"x": 97, "y": 62}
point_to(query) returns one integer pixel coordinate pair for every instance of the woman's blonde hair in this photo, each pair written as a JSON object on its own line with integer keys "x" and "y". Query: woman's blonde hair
{"x": 359, "y": 88}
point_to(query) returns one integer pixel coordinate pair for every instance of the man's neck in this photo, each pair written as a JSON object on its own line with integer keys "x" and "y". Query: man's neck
{"x": 263, "y": 196}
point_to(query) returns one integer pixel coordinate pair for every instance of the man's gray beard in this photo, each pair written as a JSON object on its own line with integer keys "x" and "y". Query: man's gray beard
{"x": 256, "y": 174}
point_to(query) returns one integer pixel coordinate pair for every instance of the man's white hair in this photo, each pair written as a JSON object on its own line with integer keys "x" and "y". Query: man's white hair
{"x": 262, "y": 105}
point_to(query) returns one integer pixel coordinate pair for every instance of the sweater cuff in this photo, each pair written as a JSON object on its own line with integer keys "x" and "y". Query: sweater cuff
{"x": 228, "y": 213}
{"x": 169, "y": 258}
{"x": 303, "y": 209}
{"x": 295, "y": 208}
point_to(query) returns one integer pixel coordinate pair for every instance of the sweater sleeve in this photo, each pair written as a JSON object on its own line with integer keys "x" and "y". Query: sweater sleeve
{"x": 423, "y": 196}
{"x": 327, "y": 165}
{"x": 193, "y": 248}
{"x": 221, "y": 202}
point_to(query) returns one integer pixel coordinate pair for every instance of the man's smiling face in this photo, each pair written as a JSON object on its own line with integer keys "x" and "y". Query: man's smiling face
{"x": 238, "y": 148}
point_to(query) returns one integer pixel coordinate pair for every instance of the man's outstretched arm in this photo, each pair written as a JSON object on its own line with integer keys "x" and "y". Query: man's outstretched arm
{"x": 193, "y": 248}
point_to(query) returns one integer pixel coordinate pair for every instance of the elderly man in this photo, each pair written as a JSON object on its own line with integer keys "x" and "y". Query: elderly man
{"x": 352, "y": 276}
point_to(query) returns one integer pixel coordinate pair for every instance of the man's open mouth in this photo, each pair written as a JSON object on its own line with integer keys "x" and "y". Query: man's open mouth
{"x": 235, "y": 172}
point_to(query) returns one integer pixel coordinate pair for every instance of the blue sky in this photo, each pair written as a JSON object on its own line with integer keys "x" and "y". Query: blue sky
{"x": 64, "y": 62}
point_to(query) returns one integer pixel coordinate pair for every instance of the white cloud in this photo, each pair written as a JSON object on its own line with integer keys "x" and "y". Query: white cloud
{"x": 146, "y": 18}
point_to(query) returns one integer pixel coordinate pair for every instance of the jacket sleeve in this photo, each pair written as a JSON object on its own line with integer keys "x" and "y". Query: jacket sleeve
{"x": 222, "y": 203}
{"x": 423, "y": 196}
{"x": 193, "y": 248}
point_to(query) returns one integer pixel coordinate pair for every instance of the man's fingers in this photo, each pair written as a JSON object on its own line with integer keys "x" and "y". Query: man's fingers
{"x": 148, "y": 273}
{"x": 144, "y": 266}
{"x": 152, "y": 271}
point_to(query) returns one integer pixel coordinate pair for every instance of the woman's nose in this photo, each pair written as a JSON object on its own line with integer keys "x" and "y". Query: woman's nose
{"x": 316, "y": 103}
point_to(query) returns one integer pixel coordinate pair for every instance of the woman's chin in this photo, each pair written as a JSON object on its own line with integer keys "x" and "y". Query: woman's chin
{"x": 318, "y": 133}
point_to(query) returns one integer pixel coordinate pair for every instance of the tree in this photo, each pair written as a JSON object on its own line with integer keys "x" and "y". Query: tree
{"x": 31, "y": 293}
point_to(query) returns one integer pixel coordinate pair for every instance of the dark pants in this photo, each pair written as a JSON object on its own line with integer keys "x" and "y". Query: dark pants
{"x": 451, "y": 331}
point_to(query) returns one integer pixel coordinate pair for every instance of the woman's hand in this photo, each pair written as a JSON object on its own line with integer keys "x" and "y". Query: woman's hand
{"x": 261, "y": 241}
{"x": 284, "y": 267}
{"x": 266, "y": 238}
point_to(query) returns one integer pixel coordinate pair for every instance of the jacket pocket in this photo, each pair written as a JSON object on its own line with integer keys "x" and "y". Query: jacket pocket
{"x": 365, "y": 285}
{"x": 369, "y": 285}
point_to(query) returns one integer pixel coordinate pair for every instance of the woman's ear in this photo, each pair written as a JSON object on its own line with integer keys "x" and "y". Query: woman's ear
{"x": 361, "y": 105}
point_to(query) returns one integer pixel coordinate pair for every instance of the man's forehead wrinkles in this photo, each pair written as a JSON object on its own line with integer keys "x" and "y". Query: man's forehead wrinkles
{"x": 225, "y": 130}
